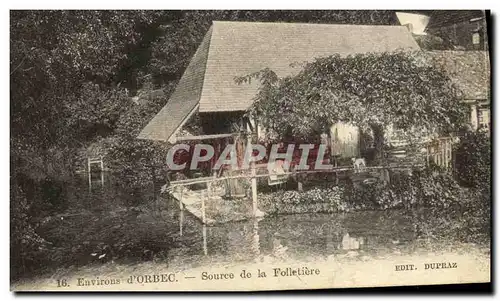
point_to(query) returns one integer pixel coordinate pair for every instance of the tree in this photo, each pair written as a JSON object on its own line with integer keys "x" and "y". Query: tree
{"x": 54, "y": 54}
{"x": 71, "y": 74}
{"x": 372, "y": 91}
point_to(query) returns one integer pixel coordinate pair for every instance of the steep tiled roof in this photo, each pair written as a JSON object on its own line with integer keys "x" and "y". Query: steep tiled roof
{"x": 470, "y": 70}
{"x": 183, "y": 100}
{"x": 240, "y": 48}
{"x": 233, "y": 49}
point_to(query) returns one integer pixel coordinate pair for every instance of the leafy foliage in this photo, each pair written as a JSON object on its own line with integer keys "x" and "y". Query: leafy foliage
{"x": 314, "y": 200}
{"x": 26, "y": 246}
{"x": 473, "y": 160}
{"x": 54, "y": 53}
{"x": 427, "y": 188}
{"x": 372, "y": 91}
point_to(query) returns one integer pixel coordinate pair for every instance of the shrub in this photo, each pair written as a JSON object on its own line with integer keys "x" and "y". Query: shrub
{"x": 26, "y": 246}
{"x": 436, "y": 188}
{"x": 473, "y": 160}
{"x": 361, "y": 196}
{"x": 430, "y": 187}
{"x": 314, "y": 200}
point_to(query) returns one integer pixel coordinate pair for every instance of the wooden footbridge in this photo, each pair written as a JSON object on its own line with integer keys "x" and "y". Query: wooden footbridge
{"x": 195, "y": 201}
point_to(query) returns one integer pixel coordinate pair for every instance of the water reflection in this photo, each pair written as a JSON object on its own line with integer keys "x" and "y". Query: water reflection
{"x": 351, "y": 243}
{"x": 300, "y": 236}
{"x": 279, "y": 251}
{"x": 255, "y": 238}
{"x": 112, "y": 210}
{"x": 290, "y": 236}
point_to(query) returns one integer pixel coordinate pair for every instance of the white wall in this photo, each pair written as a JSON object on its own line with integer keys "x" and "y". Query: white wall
{"x": 348, "y": 140}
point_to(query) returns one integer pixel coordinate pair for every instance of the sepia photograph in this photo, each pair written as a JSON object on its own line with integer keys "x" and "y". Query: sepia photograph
{"x": 249, "y": 150}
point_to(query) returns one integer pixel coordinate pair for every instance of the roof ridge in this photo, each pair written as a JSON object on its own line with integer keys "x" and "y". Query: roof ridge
{"x": 458, "y": 51}
{"x": 184, "y": 99}
{"x": 202, "y": 90}
{"x": 305, "y": 23}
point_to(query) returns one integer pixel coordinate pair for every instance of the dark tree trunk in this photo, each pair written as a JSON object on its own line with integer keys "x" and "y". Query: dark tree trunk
{"x": 378, "y": 141}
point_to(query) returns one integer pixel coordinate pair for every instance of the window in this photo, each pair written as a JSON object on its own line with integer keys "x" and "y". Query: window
{"x": 476, "y": 38}
{"x": 483, "y": 118}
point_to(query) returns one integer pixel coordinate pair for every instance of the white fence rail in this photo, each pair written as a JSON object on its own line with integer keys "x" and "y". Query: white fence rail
{"x": 440, "y": 152}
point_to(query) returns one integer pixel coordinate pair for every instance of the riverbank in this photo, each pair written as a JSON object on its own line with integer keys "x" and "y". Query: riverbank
{"x": 320, "y": 221}
{"x": 380, "y": 238}
{"x": 458, "y": 264}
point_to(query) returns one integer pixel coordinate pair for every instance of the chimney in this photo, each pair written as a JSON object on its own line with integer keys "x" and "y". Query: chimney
{"x": 416, "y": 23}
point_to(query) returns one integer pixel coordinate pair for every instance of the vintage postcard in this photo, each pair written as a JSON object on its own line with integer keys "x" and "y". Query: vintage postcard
{"x": 233, "y": 150}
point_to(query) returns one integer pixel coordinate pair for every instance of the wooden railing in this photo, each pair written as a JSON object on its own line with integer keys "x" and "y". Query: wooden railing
{"x": 437, "y": 150}
{"x": 188, "y": 182}
{"x": 440, "y": 152}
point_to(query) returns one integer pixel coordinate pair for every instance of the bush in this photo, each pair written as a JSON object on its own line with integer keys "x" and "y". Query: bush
{"x": 473, "y": 160}
{"x": 314, "y": 200}
{"x": 26, "y": 246}
{"x": 426, "y": 187}
{"x": 429, "y": 187}
{"x": 437, "y": 188}
{"x": 362, "y": 196}
{"x": 135, "y": 160}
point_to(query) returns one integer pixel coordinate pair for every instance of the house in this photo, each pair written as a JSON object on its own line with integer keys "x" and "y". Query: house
{"x": 447, "y": 29}
{"x": 470, "y": 71}
{"x": 464, "y": 29}
{"x": 415, "y": 21}
{"x": 208, "y": 89}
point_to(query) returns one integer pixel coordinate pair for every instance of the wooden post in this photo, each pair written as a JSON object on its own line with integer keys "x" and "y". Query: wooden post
{"x": 102, "y": 172}
{"x": 204, "y": 232}
{"x": 300, "y": 186}
{"x": 438, "y": 153}
{"x": 336, "y": 173}
{"x": 254, "y": 191}
{"x": 443, "y": 152}
{"x": 154, "y": 178}
{"x": 254, "y": 179}
{"x": 428, "y": 153}
{"x": 255, "y": 237}
{"x": 450, "y": 151}
{"x": 451, "y": 154}
{"x": 90, "y": 174}
{"x": 181, "y": 219}
{"x": 203, "y": 218}
{"x": 446, "y": 153}
{"x": 442, "y": 144}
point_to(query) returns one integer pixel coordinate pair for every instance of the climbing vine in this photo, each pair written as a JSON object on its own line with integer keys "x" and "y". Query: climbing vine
{"x": 372, "y": 91}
